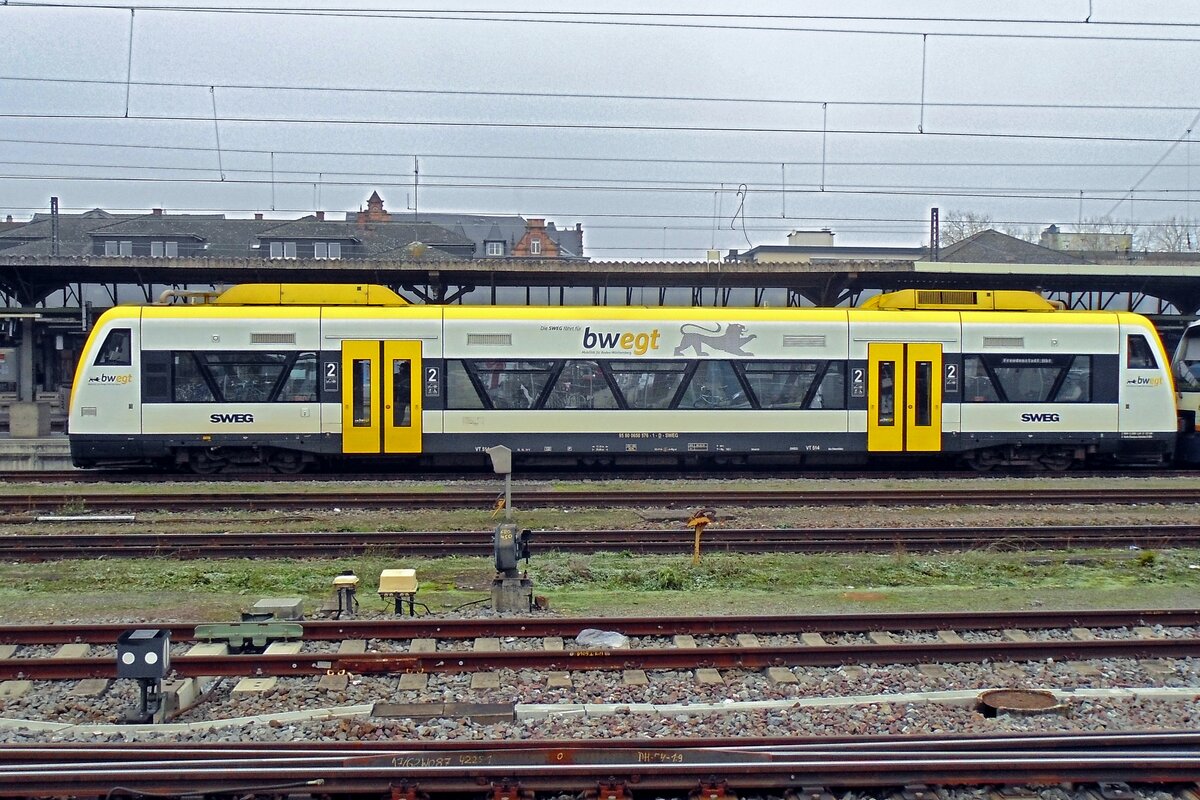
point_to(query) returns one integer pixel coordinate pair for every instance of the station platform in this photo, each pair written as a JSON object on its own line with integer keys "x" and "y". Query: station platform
{"x": 47, "y": 453}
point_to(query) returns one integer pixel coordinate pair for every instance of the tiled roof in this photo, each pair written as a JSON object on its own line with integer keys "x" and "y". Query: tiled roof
{"x": 993, "y": 247}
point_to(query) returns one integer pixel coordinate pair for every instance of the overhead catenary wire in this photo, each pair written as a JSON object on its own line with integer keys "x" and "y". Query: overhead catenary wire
{"x": 679, "y": 20}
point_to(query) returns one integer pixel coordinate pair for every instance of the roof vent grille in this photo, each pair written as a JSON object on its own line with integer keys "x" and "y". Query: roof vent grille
{"x": 489, "y": 340}
{"x": 272, "y": 338}
{"x": 804, "y": 340}
{"x": 1004, "y": 341}
{"x": 939, "y": 297}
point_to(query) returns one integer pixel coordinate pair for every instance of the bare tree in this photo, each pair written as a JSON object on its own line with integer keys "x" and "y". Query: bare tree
{"x": 956, "y": 225}
{"x": 1172, "y": 236}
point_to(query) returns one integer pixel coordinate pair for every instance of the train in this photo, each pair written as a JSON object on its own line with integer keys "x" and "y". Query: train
{"x": 295, "y": 377}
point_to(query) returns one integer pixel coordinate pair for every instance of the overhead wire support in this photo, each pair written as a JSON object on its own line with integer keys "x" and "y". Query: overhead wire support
{"x": 217, "y": 131}
{"x": 129, "y": 64}
{"x": 924, "y": 43}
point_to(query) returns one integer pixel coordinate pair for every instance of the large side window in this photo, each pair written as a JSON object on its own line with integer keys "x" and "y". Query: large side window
{"x": 714, "y": 384}
{"x": 512, "y": 384}
{"x": 117, "y": 350}
{"x": 978, "y": 385}
{"x": 1141, "y": 354}
{"x": 581, "y": 384}
{"x": 648, "y": 384}
{"x": 460, "y": 390}
{"x": 1076, "y": 386}
{"x": 796, "y": 384}
{"x": 190, "y": 385}
{"x": 246, "y": 377}
{"x": 301, "y": 383}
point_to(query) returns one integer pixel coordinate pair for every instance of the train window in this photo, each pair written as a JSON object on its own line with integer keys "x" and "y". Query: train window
{"x": 245, "y": 377}
{"x": 714, "y": 384}
{"x": 781, "y": 384}
{"x": 581, "y": 384}
{"x": 1077, "y": 385}
{"x": 1028, "y": 378}
{"x": 189, "y": 383}
{"x": 1141, "y": 355}
{"x": 401, "y": 393}
{"x": 887, "y": 393}
{"x": 978, "y": 386}
{"x": 301, "y": 383}
{"x": 648, "y": 384}
{"x": 117, "y": 350}
{"x": 831, "y": 393}
{"x": 460, "y": 389}
{"x": 360, "y": 396}
{"x": 512, "y": 384}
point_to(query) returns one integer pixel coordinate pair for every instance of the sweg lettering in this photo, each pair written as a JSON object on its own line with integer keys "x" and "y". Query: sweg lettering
{"x": 639, "y": 343}
{"x": 217, "y": 419}
{"x": 1041, "y": 418}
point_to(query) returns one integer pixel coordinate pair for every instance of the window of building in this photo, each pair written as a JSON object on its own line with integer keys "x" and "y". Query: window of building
{"x": 289, "y": 249}
{"x": 167, "y": 249}
{"x": 126, "y": 248}
{"x": 112, "y": 248}
{"x": 117, "y": 350}
{"x": 276, "y": 249}
{"x": 535, "y": 247}
{"x": 495, "y": 248}
{"x": 324, "y": 250}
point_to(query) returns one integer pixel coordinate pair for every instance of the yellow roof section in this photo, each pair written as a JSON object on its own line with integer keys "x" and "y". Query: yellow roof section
{"x": 309, "y": 294}
{"x": 959, "y": 300}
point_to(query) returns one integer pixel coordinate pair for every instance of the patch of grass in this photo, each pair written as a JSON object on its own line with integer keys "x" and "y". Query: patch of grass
{"x": 608, "y": 583}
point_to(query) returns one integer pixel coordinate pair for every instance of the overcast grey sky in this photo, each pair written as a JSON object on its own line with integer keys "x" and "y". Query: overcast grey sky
{"x": 644, "y": 128}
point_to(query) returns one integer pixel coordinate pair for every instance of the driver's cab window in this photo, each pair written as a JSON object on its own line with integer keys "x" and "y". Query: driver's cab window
{"x": 1141, "y": 355}
{"x": 117, "y": 350}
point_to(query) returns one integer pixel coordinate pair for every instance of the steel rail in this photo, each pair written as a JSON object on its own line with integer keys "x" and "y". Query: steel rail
{"x": 404, "y": 628}
{"x": 557, "y": 770}
{"x": 245, "y": 501}
{"x": 26, "y": 547}
{"x": 451, "y": 662}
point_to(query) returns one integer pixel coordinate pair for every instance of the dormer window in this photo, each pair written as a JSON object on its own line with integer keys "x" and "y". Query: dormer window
{"x": 164, "y": 249}
{"x": 495, "y": 248}
{"x": 283, "y": 249}
{"x": 535, "y": 246}
{"x": 327, "y": 250}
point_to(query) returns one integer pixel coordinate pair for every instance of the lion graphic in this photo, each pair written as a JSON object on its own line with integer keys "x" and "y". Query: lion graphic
{"x": 731, "y": 341}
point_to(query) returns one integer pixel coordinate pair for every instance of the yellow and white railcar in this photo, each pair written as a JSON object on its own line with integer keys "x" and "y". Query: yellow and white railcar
{"x": 289, "y": 375}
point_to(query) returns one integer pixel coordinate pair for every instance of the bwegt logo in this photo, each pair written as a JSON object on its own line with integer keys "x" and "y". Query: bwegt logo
{"x": 638, "y": 343}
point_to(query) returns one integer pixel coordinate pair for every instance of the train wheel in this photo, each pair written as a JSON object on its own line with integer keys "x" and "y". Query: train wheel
{"x": 983, "y": 460}
{"x": 287, "y": 462}
{"x": 1056, "y": 460}
{"x": 201, "y": 463}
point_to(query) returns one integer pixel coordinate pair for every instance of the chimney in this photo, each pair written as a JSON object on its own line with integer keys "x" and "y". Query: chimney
{"x": 8, "y": 218}
{"x": 156, "y": 212}
{"x": 320, "y": 216}
{"x": 536, "y": 224}
{"x": 258, "y": 216}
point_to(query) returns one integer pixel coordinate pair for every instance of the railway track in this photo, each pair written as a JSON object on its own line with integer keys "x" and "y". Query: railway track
{"x": 617, "y": 769}
{"x": 92, "y": 476}
{"x": 51, "y": 546}
{"x": 452, "y": 629}
{"x": 791, "y": 644}
{"x": 78, "y": 502}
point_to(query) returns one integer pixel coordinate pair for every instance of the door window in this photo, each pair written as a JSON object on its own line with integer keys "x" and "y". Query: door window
{"x": 401, "y": 393}
{"x": 887, "y": 393}
{"x": 360, "y": 371}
